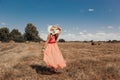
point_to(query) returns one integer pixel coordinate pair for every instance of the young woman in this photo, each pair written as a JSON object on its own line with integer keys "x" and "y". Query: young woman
{"x": 52, "y": 55}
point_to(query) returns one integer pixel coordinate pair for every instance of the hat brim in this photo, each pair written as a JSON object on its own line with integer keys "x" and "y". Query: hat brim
{"x": 49, "y": 28}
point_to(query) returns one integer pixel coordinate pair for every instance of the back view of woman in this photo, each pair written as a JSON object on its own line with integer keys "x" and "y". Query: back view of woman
{"x": 52, "y": 54}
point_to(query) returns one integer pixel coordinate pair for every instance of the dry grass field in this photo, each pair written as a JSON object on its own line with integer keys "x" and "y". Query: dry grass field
{"x": 24, "y": 61}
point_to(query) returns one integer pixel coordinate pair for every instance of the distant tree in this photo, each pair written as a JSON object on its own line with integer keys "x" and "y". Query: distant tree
{"x": 85, "y": 41}
{"x": 109, "y": 41}
{"x": 31, "y": 33}
{"x": 115, "y": 41}
{"x": 4, "y": 34}
{"x": 61, "y": 40}
{"x": 16, "y": 36}
{"x": 91, "y": 41}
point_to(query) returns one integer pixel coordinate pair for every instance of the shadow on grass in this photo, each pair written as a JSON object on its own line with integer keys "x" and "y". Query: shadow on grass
{"x": 43, "y": 70}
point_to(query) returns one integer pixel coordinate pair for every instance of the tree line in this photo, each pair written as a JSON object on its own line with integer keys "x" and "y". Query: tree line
{"x": 31, "y": 34}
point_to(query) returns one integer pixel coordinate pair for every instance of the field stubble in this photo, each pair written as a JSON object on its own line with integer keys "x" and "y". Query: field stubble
{"x": 24, "y": 61}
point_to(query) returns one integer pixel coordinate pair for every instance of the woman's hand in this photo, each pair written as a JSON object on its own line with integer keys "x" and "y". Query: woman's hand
{"x": 59, "y": 28}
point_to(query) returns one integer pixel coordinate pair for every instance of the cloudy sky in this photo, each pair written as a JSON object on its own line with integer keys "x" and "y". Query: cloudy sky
{"x": 79, "y": 19}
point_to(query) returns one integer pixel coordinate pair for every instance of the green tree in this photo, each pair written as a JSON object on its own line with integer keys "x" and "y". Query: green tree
{"x": 31, "y": 33}
{"x": 16, "y": 36}
{"x": 4, "y": 34}
{"x": 61, "y": 40}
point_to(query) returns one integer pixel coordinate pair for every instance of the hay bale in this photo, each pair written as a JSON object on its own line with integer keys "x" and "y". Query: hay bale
{"x": 11, "y": 41}
{"x": 93, "y": 43}
{"x": 27, "y": 42}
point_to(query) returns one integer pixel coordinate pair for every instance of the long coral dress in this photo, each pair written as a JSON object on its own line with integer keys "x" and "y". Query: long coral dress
{"x": 53, "y": 56}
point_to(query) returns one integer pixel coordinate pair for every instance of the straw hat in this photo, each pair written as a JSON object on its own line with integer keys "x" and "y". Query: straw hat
{"x": 52, "y": 27}
{"x": 49, "y": 28}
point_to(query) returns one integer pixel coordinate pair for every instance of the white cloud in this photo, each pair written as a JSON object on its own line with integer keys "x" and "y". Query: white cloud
{"x": 64, "y": 30}
{"x": 102, "y": 27}
{"x": 86, "y": 36}
{"x": 81, "y": 33}
{"x": 110, "y": 27}
{"x": 2, "y": 23}
{"x": 118, "y": 27}
{"x": 43, "y": 35}
{"x": 90, "y": 9}
{"x": 84, "y": 31}
{"x": 102, "y": 36}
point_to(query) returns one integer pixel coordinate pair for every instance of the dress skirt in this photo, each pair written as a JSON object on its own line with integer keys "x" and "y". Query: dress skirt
{"x": 53, "y": 56}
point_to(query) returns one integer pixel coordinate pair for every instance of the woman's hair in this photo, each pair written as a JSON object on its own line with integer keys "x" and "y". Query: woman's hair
{"x": 56, "y": 36}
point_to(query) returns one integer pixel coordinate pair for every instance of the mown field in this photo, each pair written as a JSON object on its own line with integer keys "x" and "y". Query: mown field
{"x": 24, "y": 61}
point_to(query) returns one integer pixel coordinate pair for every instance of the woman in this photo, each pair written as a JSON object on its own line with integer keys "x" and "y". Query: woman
{"x": 52, "y": 55}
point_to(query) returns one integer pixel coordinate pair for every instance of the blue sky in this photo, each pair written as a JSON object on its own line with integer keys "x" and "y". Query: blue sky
{"x": 80, "y": 19}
